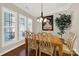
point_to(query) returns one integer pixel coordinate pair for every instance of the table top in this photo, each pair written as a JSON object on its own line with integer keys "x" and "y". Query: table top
{"x": 56, "y": 40}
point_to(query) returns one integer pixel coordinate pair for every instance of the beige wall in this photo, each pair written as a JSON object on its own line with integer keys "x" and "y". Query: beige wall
{"x": 75, "y": 24}
{"x": 18, "y": 11}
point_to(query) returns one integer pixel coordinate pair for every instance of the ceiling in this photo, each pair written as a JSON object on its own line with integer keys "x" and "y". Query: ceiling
{"x": 48, "y": 8}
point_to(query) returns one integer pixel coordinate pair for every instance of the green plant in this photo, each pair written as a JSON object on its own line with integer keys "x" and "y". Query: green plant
{"x": 63, "y": 22}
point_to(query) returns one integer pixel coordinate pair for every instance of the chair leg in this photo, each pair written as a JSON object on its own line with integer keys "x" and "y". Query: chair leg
{"x": 54, "y": 51}
{"x": 72, "y": 53}
{"x": 51, "y": 54}
{"x": 36, "y": 52}
{"x": 39, "y": 53}
{"x": 28, "y": 51}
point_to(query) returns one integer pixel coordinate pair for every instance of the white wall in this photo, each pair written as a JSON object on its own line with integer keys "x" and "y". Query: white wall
{"x": 75, "y": 25}
{"x": 74, "y": 11}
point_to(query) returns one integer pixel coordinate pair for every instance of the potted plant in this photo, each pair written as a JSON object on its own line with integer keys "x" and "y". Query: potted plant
{"x": 63, "y": 22}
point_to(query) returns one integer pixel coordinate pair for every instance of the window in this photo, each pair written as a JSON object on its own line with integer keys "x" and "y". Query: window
{"x": 22, "y": 26}
{"x": 30, "y": 24}
{"x": 9, "y": 25}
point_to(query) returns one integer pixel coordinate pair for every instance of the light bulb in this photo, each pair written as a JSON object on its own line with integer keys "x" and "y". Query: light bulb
{"x": 38, "y": 20}
{"x": 45, "y": 20}
{"x": 41, "y": 19}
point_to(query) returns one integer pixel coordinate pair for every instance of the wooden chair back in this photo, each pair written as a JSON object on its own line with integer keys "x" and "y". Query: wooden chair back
{"x": 44, "y": 45}
{"x": 71, "y": 40}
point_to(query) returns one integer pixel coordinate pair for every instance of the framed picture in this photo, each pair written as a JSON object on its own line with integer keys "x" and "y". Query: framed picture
{"x": 48, "y": 25}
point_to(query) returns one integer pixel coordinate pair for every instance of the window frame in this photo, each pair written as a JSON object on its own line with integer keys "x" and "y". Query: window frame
{"x": 3, "y": 27}
{"x": 22, "y": 16}
{"x": 31, "y": 30}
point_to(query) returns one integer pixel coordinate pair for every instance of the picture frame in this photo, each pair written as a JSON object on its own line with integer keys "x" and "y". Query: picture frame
{"x": 48, "y": 25}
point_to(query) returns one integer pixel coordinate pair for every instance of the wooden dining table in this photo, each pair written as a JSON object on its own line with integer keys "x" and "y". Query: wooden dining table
{"x": 57, "y": 42}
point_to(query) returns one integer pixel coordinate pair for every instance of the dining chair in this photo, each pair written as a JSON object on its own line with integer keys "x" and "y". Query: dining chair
{"x": 49, "y": 35}
{"x": 45, "y": 46}
{"x": 26, "y": 40}
{"x": 32, "y": 43}
{"x": 68, "y": 46}
{"x": 43, "y": 33}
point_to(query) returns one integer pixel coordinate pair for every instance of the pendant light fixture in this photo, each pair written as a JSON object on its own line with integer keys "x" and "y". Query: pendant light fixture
{"x": 40, "y": 19}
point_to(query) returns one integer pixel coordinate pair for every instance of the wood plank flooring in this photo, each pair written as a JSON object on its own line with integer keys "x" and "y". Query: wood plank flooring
{"x": 22, "y": 51}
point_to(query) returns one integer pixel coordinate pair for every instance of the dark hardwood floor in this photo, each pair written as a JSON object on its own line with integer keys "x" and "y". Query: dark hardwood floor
{"x": 22, "y": 51}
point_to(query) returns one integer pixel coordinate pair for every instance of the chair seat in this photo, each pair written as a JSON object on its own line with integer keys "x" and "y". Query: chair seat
{"x": 47, "y": 50}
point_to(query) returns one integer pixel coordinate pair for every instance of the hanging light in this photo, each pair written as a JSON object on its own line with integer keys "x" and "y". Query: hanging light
{"x": 40, "y": 19}
{"x": 45, "y": 20}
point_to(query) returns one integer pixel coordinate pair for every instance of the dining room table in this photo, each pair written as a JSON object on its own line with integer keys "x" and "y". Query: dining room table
{"x": 57, "y": 42}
